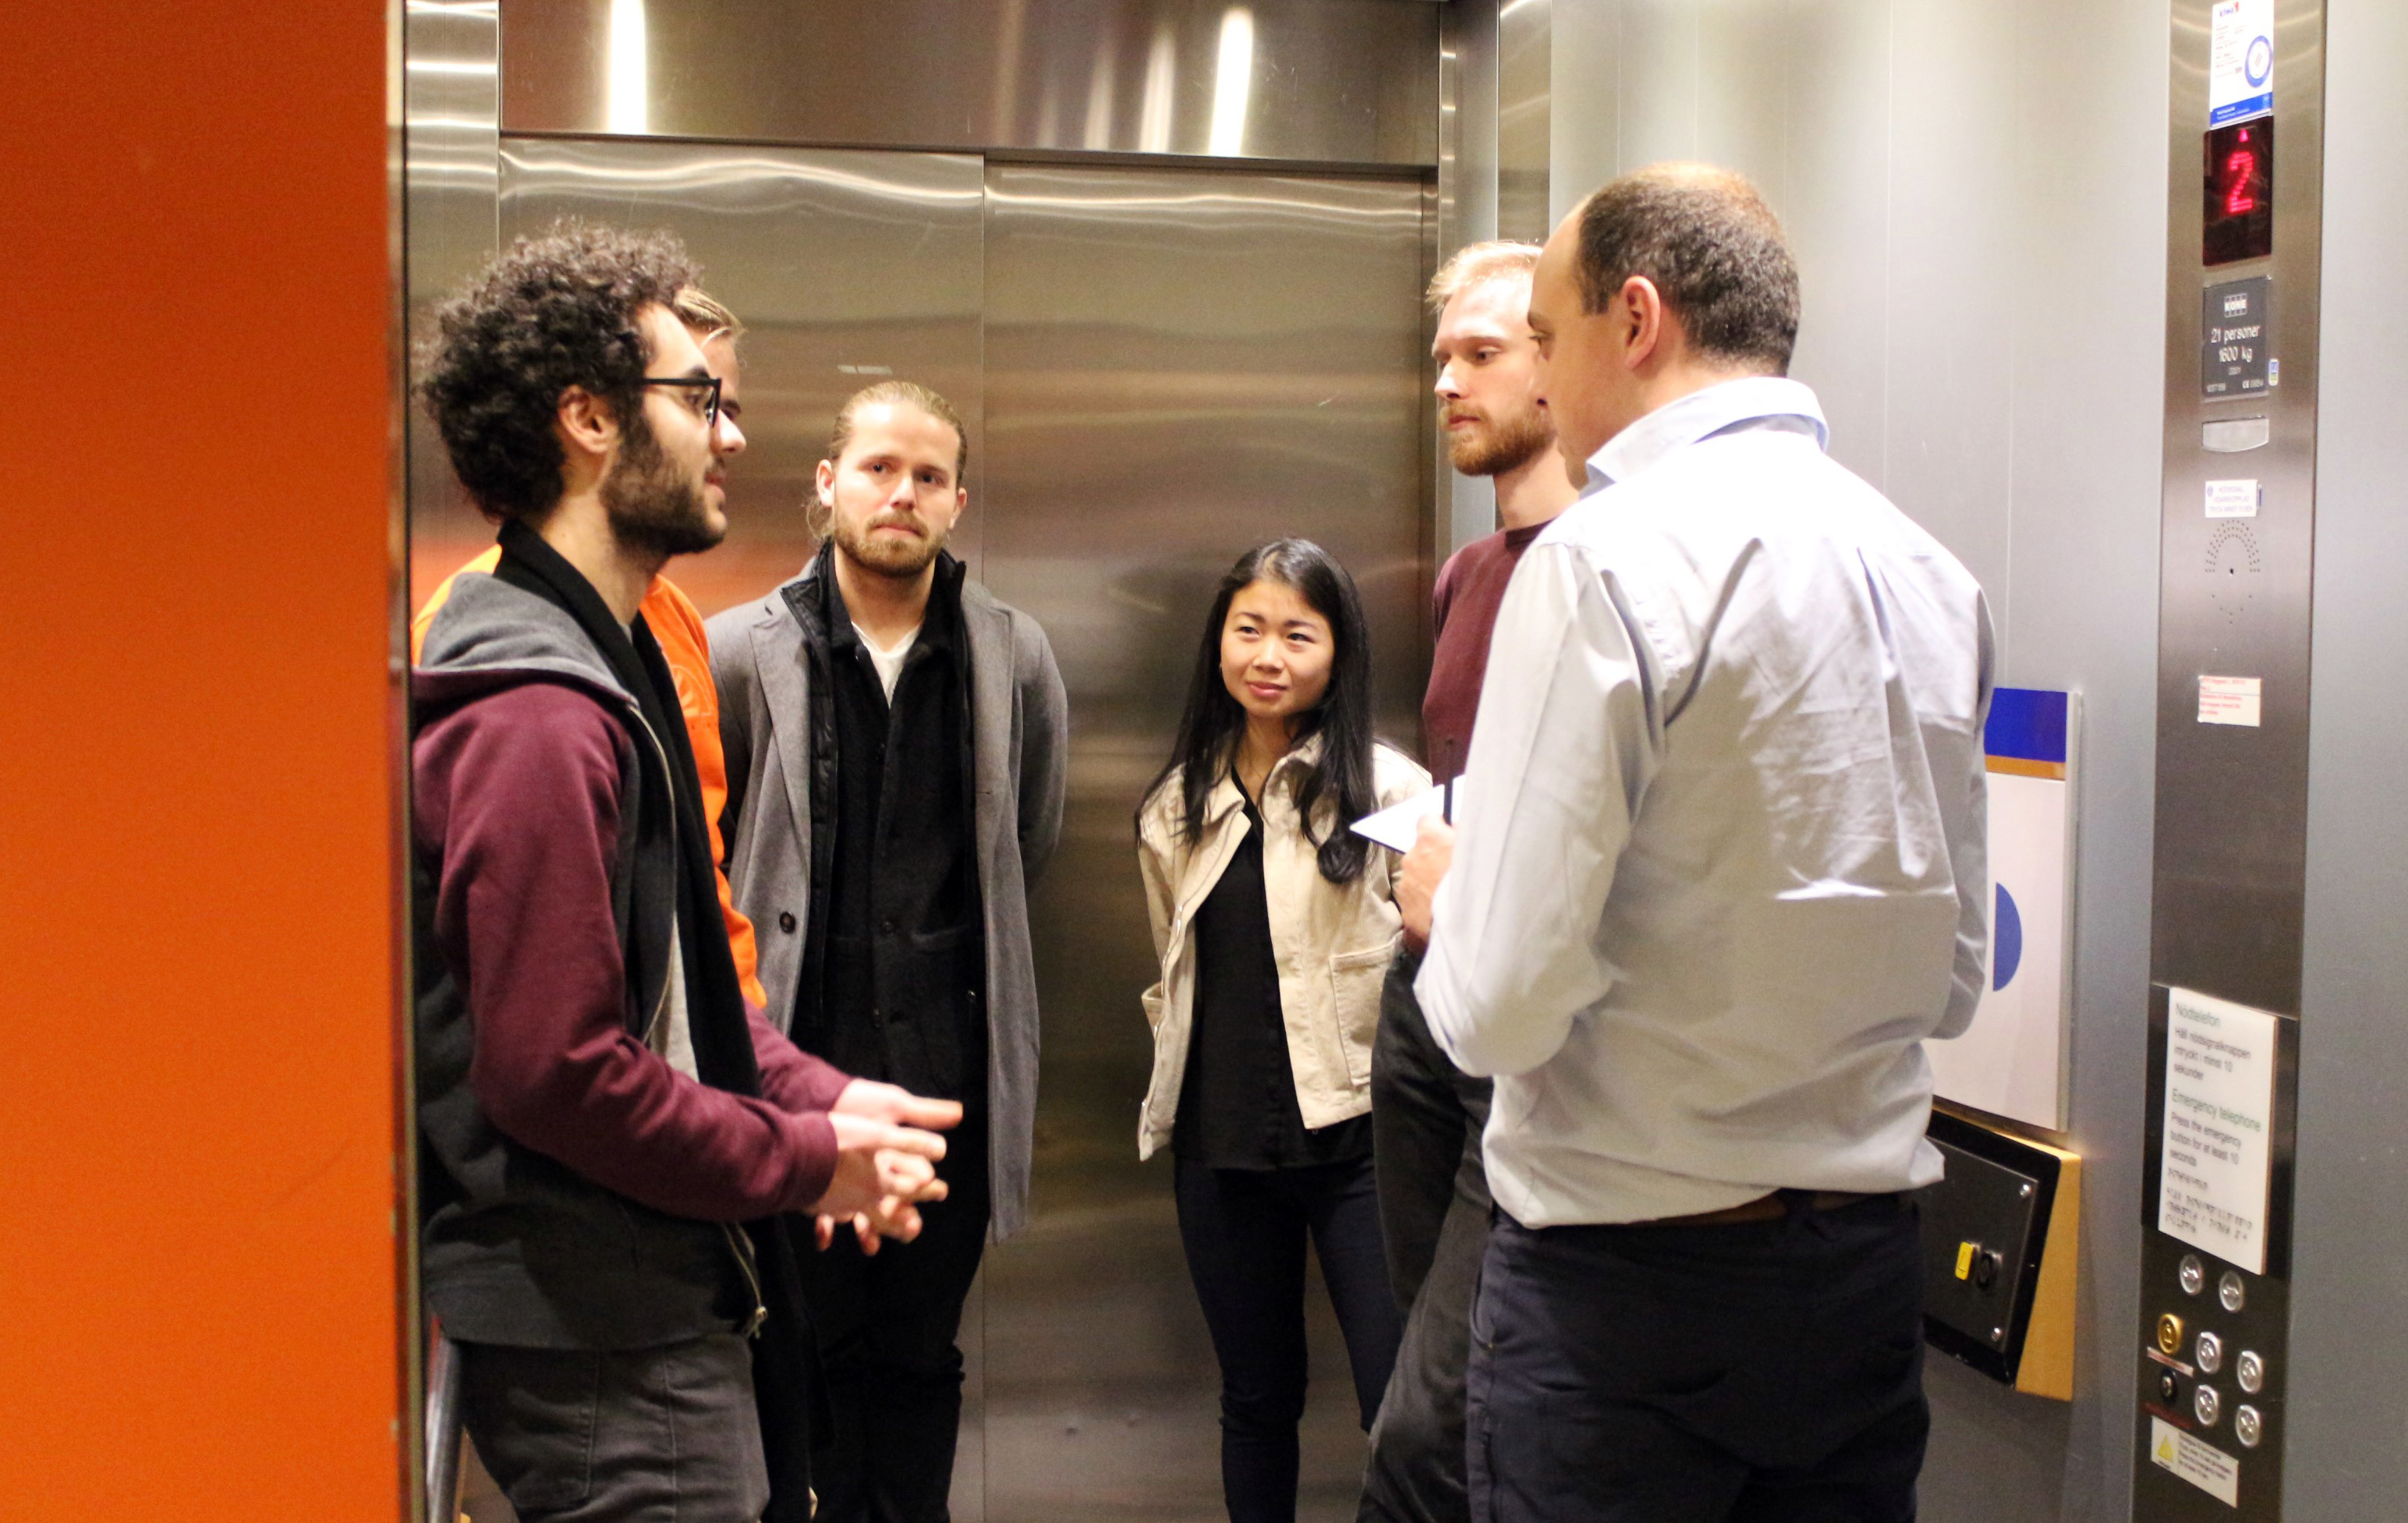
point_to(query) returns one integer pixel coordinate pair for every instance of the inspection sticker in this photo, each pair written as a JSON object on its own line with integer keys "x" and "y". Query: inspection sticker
{"x": 2241, "y": 61}
{"x": 2229, "y": 700}
{"x": 2233, "y": 499}
{"x": 2203, "y": 1465}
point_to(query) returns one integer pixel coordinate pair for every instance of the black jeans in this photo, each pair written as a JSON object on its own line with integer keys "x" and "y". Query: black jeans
{"x": 1427, "y": 1120}
{"x": 576, "y": 1436}
{"x": 1244, "y": 1230}
{"x": 887, "y": 1324}
{"x": 1768, "y": 1371}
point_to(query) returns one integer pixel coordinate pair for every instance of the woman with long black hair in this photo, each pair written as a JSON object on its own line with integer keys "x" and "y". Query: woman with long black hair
{"x": 1275, "y": 926}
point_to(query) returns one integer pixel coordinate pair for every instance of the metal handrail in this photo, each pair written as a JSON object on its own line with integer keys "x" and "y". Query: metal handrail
{"x": 443, "y": 1425}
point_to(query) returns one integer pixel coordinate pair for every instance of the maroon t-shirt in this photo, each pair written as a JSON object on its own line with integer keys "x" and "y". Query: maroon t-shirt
{"x": 1470, "y": 586}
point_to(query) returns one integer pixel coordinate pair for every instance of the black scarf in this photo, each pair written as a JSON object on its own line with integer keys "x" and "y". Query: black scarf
{"x": 723, "y": 1039}
{"x": 784, "y": 1355}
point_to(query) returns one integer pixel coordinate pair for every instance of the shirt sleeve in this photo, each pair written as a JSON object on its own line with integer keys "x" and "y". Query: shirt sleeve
{"x": 522, "y": 787}
{"x": 1969, "y": 855}
{"x": 792, "y": 1079}
{"x": 1566, "y": 742}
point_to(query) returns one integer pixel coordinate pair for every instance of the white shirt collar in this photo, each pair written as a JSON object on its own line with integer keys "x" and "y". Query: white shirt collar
{"x": 1777, "y": 401}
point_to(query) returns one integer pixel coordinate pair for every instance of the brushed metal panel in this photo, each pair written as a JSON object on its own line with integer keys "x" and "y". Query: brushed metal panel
{"x": 1951, "y": 237}
{"x": 1336, "y": 82}
{"x": 845, "y": 265}
{"x": 2231, "y": 802}
{"x": 452, "y": 102}
{"x": 1524, "y": 85}
{"x": 1180, "y": 365}
{"x": 1584, "y": 58}
{"x": 1465, "y": 211}
{"x": 2349, "y": 1277}
{"x": 1837, "y": 204}
{"x": 1659, "y": 70}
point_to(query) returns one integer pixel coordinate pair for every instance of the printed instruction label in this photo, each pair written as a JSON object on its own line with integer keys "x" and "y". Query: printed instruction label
{"x": 2201, "y": 1463}
{"x": 2229, "y": 700}
{"x": 2233, "y": 499}
{"x": 2213, "y": 1161}
{"x": 2239, "y": 61}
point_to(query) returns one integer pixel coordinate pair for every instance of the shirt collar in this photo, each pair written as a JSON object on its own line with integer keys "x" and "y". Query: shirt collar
{"x": 1226, "y": 796}
{"x": 1768, "y": 401}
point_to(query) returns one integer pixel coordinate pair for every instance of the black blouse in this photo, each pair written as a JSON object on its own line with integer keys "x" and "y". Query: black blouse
{"x": 1237, "y": 1104}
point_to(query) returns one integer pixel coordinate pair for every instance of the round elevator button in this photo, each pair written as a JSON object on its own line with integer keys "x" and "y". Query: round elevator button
{"x": 2247, "y": 1426}
{"x": 2170, "y": 1335}
{"x": 2194, "y": 1274}
{"x": 2206, "y": 1405}
{"x": 2230, "y": 1293}
{"x": 2209, "y": 1355}
{"x": 2169, "y": 1387}
{"x": 2250, "y": 1371}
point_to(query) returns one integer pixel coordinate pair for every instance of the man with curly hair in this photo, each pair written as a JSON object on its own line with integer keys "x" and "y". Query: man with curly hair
{"x": 611, "y": 1131}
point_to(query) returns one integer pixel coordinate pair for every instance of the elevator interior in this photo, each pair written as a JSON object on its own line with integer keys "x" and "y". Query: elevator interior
{"x": 1165, "y": 350}
{"x": 1180, "y": 316}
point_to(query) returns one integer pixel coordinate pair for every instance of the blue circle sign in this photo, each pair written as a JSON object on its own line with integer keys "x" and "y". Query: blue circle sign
{"x": 2259, "y": 65}
{"x": 2006, "y": 940}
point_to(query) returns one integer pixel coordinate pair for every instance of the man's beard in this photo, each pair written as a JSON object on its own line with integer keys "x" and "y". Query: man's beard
{"x": 1501, "y": 445}
{"x": 653, "y": 505}
{"x": 901, "y": 559}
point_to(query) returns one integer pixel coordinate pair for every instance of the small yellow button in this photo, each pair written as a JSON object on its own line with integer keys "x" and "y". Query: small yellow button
{"x": 1965, "y": 1252}
{"x": 2170, "y": 1334}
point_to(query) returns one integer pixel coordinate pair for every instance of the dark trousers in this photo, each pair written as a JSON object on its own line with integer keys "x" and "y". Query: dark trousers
{"x": 648, "y": 1435}
{"x": 1244, "y": 1230}
{"x": 1769, "y": 1372}
{"x": 1427, "y": 1120}
{"x": 887, "y": 1324}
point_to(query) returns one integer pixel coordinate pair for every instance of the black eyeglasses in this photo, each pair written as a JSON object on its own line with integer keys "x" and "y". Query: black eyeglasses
{"x": 708, "y": 385}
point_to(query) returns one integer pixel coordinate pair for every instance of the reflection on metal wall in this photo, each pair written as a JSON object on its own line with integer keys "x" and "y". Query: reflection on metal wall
{"x": 451, "y": 90}
{"x": 1180, "y": 365}
{"x": 1336, "y": 82}
{"x": 845, "y": 267}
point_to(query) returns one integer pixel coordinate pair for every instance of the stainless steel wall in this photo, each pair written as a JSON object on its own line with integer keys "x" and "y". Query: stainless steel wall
{"x": 2349, "y": 1274}
{"x": 845, "y": 265}
{"x": 1158, "y": 365}
{"x": 1976, "y": 194}
{"x": 1332, "y": 81}
{"x": 1180, "y": 365}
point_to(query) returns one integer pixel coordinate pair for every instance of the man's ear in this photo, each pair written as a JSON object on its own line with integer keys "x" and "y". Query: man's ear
{"x": 825, "y": 478}
{"x": 1643, "y": 312}
{"x": 586, "y": 424}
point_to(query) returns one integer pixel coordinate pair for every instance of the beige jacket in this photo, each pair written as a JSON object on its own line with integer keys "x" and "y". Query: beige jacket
{"x": 1332, "y": 943}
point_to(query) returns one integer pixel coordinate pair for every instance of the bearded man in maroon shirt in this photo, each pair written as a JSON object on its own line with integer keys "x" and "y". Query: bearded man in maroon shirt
{"x": 1427, "y": 1117}
{"x": 612, "y": 1137}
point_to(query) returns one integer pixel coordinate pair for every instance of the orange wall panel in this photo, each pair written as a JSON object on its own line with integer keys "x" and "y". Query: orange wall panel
{"x": 197, "y": 1188}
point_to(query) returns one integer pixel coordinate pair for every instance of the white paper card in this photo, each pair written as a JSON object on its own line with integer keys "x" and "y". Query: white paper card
{"x": 1395, "y": 826}
{"x": 2196, "y": 1460}
{"x": 2232, "y": 499}
{"x": 2239, "y": 61}
{"x": 2228, "y": 700}
{"x": 2219, "y": 1126}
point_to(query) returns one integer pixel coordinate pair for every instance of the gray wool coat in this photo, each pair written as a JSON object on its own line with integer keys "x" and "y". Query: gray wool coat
{"x": 1019, "y": 748}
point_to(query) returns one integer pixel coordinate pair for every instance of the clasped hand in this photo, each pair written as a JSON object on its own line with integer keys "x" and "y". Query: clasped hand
{"x": 887, "y": 1149}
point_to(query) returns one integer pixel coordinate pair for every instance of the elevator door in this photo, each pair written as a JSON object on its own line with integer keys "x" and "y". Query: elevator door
{"x": 1159, "y": 369}
{"x": 1180, "y": 365}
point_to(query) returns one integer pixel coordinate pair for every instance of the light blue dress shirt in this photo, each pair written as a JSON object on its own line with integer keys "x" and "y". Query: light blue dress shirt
{"x": 1722, "y": 864}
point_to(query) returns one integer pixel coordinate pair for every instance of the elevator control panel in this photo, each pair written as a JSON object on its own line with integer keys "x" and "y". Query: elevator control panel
{"x": 2209, "y": 1350}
